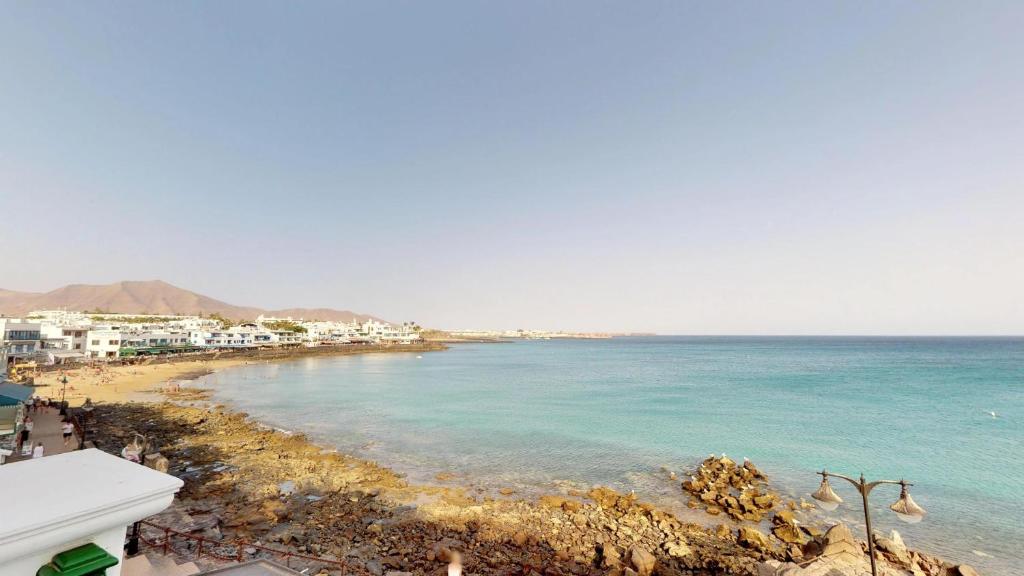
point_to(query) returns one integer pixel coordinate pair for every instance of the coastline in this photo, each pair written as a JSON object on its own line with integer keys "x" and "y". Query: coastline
{"x": 246, "y": 480}
{"x": 144, "y": 381}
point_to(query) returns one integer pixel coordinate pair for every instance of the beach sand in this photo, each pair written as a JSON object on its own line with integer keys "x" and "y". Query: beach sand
{"x": 144, "y": 382}
{"x": 140, "y": 383}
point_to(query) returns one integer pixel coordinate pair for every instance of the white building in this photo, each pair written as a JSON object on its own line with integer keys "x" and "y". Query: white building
{"x": 103, "y": 343}
{"x": 155, "y": 340}
{"x": 389, "y": 334}
{"x": 20, "y": 339}
{"x": 86, "y": 499}
{"x": 59, "y": 317}
{"x": 229, "y": 338}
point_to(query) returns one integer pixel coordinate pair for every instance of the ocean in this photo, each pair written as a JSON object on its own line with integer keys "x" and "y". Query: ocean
{"x": 546, "y": 416}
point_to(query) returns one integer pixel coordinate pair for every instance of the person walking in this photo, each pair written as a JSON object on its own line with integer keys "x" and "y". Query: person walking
{"x": 37, "y": 452}
{"x": 26, "y": 431}
{"x": 67, "y": 428}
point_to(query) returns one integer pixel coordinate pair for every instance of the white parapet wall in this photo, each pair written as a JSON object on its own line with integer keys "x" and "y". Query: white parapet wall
{"x": 57, "y": 503}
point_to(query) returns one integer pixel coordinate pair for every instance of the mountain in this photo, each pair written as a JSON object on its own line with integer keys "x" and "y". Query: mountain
{"x": 151, "y": 297}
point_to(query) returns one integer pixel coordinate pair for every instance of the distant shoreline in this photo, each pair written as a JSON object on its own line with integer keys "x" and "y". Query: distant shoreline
{"x": 144, "y": 380}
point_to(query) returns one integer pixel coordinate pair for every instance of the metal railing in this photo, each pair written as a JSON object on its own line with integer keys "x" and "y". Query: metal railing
{"x": 236, "y": 550}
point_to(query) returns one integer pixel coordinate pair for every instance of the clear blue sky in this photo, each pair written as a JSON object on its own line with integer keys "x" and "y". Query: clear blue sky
{"x": 768, "y": 167}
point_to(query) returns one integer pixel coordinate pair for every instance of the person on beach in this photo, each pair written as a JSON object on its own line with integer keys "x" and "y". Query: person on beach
{"x": 26, "y": 431}
{"x": 67, "y": 429}
{"x": 37, "y": 452}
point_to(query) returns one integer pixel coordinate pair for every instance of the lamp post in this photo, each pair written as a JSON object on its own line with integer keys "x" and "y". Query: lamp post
{"x": 63, "y": 390}
{"x": 905, "y": 508}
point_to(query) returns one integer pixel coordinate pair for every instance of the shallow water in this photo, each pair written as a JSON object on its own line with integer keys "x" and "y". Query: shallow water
{"x": 546, "y": 415}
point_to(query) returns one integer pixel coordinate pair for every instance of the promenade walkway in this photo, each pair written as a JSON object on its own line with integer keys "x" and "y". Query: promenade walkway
{"x": 47, "y": 430}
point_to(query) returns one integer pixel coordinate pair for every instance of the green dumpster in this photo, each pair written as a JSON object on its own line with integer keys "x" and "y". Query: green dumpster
{"x": 86, "y": 560}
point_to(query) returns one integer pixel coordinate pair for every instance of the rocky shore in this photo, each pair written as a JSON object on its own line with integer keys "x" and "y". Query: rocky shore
{"x": 246, "y": 481}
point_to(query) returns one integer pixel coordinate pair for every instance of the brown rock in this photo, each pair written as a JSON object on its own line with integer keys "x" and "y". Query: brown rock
{"x": 677, "y": 549}
{"x": 783, "y": 517}
{"x": 966, "y": 570}
{"x": 751, "y": 538}
{"x": 841, "y": 546}
{"x": 642, "y": 561}
{"x": 789, "y": 534}
{"x": 610, "y": 557}
{"x": 722, "y": 531}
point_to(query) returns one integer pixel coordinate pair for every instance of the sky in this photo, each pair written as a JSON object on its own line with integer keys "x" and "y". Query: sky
{"x": 675, "y": 167}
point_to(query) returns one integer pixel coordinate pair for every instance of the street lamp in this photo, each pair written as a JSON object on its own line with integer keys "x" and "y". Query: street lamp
{"x": 63, "y": 390}
{"x": 905, "y": 508}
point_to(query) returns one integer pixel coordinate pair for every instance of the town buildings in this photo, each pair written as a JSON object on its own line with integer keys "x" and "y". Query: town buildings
{"x": 61, "y": 336}
{"x": 19, "y": 339}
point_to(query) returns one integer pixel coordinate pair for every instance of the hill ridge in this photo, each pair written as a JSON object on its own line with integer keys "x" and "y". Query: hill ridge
{"x": 152, "y": 297}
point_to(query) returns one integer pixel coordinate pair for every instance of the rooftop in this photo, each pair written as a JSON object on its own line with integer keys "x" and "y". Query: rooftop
{"x": 103, "y": 483}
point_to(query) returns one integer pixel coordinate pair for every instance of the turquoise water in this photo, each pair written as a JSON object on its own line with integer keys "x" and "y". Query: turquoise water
{"x": 545, "y": 415}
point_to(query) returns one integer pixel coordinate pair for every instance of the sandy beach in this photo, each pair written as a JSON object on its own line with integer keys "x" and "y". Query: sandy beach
{"x": 146, "y": 380}
{"x": 137, "y": 383}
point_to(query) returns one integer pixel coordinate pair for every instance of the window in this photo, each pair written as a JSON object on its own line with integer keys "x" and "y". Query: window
{"x": 95, "y": 342}
{"x": 113, "y": 342}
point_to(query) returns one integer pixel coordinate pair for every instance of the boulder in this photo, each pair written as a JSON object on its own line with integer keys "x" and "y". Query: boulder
{"x": 722, "y": 486}
{"x": 610, "y": 557}
{"x": 840, "y": 545}
{"x": 783, "y": 517}
{"x": 789, "y": 533}
{"x": 894, "y": 546}
{"x": 965, "y": 570}
{"x": 677, "y": 549}
{"x": 723, "y": 532}
{"x": 752, "y": 538}
{"x": 157, "y": 462}
{"x": 642, "y": 561}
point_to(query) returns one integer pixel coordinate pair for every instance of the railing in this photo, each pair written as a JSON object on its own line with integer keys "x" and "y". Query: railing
{"x": 214, "y": 549}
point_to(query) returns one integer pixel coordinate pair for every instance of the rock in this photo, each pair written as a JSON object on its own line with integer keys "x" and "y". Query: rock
{"x": 375, "y": 567}
{"x": 520, "y": 538}
{"x": 894, "y": 545}
{"x": 442, "y": 553}
{"x": 783, "y": 517}
{"x": 789, "y": 533}
{"x": 677, "y": 549}
{"x": 768, "y": 568}
{"x": 157, "y": 462}
{"x": 722, "y": 486}
{"x": 642, "y": 561}
{"x": 965, "y": 570}
{"x": 506, "y": 491}
{"x": 397, "y": 573}
{"x": 841, "y": 546}
{"x": 722, "y": 531}
{"x": 610, "y": 557}
{"x": 751, "y": 538}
